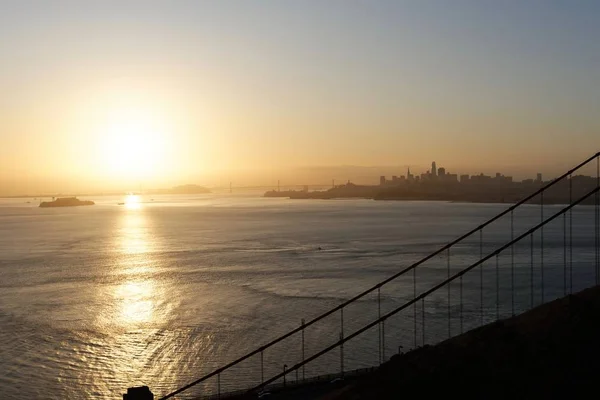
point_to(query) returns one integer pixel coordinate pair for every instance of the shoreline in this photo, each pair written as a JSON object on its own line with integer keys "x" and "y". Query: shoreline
{"x": 546, "y": 203}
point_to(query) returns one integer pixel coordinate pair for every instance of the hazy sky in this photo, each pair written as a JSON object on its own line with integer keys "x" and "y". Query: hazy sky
{"x": 106, "y": 93}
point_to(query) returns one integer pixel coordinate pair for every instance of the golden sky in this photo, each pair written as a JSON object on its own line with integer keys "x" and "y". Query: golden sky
{"x": 109, "y": 94}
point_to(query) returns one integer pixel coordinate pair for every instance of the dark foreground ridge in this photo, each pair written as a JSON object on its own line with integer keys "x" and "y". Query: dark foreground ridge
{"x": 552, "y": 351}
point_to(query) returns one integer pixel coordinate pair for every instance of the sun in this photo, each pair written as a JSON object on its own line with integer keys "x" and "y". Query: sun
{"x": 134, "y": 143}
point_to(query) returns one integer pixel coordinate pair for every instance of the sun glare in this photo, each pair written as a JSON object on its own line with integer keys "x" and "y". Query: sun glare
{"x": 134, "y": 144}
{"x": 132, "y": 202}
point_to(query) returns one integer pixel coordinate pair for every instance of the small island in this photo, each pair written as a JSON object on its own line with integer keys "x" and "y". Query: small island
{"x": 67, "y": 202}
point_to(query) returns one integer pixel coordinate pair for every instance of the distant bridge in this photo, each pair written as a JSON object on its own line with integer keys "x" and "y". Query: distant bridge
{"x": 314, "y": 186}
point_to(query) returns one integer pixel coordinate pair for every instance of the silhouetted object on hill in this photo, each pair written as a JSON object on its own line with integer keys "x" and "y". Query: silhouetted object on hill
{"x": 138, "y": 393}
{"x": 67, "y": 202}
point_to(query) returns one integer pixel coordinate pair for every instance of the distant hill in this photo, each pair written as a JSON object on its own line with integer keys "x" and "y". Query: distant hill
{"x": 187, "y": 189}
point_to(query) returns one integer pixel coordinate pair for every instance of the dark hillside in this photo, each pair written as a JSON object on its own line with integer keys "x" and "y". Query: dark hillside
{"x": 552, "y": 351}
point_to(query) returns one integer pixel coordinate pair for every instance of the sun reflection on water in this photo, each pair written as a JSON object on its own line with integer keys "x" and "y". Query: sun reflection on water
{"x": 133, "y": 305}
{"x": 134, "y": 237}
{"x": 136, "y": 299}
{"x": 136, "y": 296}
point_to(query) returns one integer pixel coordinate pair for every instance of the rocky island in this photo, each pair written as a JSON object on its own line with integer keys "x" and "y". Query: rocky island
{"x": 66, "y": 202}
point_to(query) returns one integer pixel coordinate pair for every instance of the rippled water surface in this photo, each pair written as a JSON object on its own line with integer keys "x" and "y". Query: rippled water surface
{"x": 159, "y": 291}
